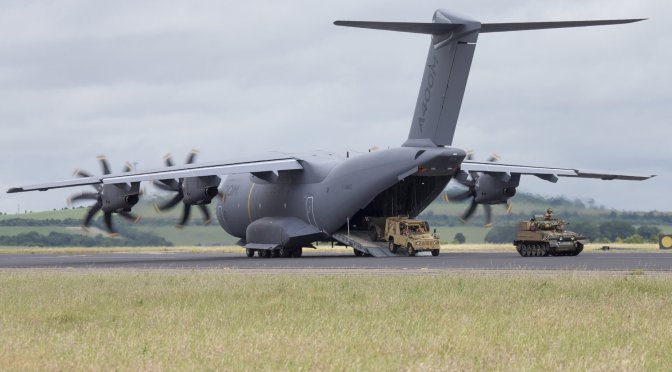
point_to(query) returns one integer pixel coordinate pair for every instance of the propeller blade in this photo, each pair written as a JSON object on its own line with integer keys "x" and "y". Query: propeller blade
{"x": 131, "y": 217}
{"x": 469, "y": 212}
{"x": 169, "y": 204}
{"x": 470, "y": 155}
{"x": 167, "y": 185}
{"x": 81, "y": 173}
{"x": 84, "y": 174}
{"x": 128, "y": 167}
{"x": 206, "y": 214}
{"x": 169, "y": 160}
{"x": 192, "y": 156}
{"x": 460, "y": 196}
{"x": 185, "y": 216}
{"x": 509, "y": 207}
{"x": 92, "y": 211}
{"x": 83, "y": 196}
{"x": 462, "y": 178}
{"x": 107, "y": 218}
{"x": 104, "y": 165}
{"x": 488, "y": 215}
{"x": 493, "y": 158}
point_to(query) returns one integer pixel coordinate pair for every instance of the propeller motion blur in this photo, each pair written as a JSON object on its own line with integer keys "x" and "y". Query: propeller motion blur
{"x": 183, "y": 187}
{"x": 475, "y": 181}
{"x": 113, "y": 198}
{"x": 279, "y": 203}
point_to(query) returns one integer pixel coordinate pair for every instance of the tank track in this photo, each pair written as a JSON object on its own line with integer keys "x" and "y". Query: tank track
{"x": 543, "y": 250}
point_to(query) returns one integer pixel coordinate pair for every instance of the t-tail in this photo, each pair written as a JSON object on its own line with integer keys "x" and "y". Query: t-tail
{"x": 447, "y": 68}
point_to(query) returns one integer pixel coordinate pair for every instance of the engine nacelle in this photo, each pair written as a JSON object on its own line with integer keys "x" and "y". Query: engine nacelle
{"x": 496, "y": 188}
{"x": 200, "y": 190}
{"x": 120, "y": 197}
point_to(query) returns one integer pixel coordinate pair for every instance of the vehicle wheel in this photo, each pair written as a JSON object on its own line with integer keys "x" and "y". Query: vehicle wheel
{"x": 249, "y": 252}
{"x": 435, "y": 252}
{"x": 358, "y": 253}
{"x": 544, "y": 250}
{"x": 265, "y": 253}
{"x": 373, "y": 234}
{"x": 522, "y": 250}
{"x": 393, "y": 247}
{"x": 578, "y": 249}
{"x": 411, "y": 251}
{"x": 537, "y": 250}
{"x": 285, "y": 252}
{"x": 275, "y": 253}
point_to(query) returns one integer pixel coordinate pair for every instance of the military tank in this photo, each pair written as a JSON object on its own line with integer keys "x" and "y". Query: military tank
{"x": 546, "y": 236}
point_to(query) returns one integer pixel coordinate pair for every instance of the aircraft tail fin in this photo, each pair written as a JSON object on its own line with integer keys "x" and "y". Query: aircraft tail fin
{"x": 447, "y": 68}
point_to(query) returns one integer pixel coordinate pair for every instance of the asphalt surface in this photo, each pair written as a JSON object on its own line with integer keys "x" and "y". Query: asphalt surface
{"x": 587, "y": 261}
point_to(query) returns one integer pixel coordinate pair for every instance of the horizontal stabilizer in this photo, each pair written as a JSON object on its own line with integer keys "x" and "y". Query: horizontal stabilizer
{"x": 444, "y": 28}
{"x": 414, "y": 27}
{"x": 524, "y": 26}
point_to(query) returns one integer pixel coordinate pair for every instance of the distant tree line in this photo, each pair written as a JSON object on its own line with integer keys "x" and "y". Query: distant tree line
{"x": 67, "y": 222}
{"x": 56, "y": 239}
{"x": 608, "y": 232}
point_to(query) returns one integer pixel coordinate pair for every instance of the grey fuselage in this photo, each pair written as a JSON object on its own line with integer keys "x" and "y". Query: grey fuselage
{"x": 331, "y": 190}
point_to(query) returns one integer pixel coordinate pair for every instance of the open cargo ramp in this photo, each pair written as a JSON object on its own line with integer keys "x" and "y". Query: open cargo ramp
{"x": 361, "y": 242}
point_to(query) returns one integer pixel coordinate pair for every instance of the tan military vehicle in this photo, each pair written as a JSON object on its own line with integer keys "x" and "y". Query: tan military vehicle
{"x": 546, "y": 235}
{"x": 412, "y": 235}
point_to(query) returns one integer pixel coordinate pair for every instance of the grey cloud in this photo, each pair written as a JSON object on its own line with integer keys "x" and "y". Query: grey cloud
{"x": 135, "y": 80}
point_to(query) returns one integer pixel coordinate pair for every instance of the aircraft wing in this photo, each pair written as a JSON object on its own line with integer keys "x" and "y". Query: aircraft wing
{"x": 547, "y": 173}
{"x": 272, "y": 164}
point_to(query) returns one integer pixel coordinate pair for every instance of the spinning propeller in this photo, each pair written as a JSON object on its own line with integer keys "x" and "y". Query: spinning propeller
{"x": 117, "y": 198}
{"x": 484, "y": 188}
{"x": 190, "y": 191}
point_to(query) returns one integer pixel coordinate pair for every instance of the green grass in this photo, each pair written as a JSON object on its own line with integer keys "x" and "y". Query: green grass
{"x": 112, "y": 320}
{"x": 473, "y": 234}
{"x": 191, "y": 235}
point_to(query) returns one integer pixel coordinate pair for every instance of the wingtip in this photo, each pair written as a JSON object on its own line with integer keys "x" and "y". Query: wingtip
{"x": 13, "y": 190}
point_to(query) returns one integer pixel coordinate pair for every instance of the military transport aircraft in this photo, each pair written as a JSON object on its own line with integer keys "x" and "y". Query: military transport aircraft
{"x": 280, "y": 202}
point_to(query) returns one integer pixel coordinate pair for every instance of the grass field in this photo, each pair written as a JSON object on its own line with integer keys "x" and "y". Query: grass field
{"x": 128, "y": 320}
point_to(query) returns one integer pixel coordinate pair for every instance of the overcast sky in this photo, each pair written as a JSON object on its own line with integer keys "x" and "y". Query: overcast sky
{"x": 135, "y": 80}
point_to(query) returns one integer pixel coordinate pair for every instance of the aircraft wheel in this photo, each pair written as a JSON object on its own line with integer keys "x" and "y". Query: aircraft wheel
{"x": 285, "y": 252}
{"x": 393, "y": 247}
{"x": 411, "y": 251}
{"x": 249, "y": 252}
{"x": 435, "y": 252}
{"x": 358, "y": 253}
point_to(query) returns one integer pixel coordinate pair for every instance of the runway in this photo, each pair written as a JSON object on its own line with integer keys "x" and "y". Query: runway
{"x": 338, "y": 262}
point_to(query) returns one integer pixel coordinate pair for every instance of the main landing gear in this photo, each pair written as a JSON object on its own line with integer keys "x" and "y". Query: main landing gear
{"x": 284, "y": 252}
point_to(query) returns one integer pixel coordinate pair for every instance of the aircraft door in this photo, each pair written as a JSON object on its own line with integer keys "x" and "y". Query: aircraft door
{"x": 310, "y": 213}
